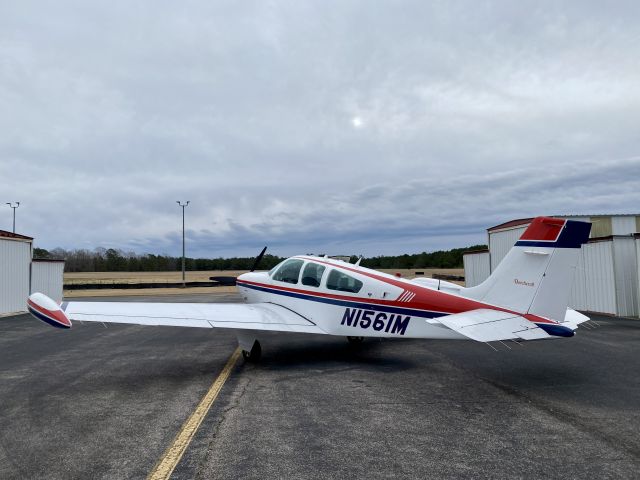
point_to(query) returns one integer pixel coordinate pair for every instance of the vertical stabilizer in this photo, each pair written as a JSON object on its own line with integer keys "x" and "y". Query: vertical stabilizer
{"x": 536, "y": 275}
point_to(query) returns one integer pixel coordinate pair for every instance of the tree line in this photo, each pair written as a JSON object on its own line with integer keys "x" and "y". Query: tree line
{"x": 116, "y": 260}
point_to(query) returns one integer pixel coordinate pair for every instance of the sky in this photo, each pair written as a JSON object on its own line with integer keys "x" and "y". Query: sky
{"x": 339, "y": 127}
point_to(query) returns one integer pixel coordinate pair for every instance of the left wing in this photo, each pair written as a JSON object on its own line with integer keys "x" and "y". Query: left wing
{"x": 258, "y": 316}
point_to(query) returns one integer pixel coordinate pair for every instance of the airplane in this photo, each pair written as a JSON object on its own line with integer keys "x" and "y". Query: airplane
{"x": 525, "y": 298}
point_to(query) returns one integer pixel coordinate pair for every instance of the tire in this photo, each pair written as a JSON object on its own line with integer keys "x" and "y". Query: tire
{"x": 355, "y": 340}
{"x": 254, "y": 355}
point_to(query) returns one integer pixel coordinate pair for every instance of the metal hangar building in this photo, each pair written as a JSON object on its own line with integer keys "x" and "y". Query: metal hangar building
{"x": 608, "y": 272}
{"x": 21, "y": 275}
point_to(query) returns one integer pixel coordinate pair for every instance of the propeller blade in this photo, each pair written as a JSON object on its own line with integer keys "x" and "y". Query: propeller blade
{"x": 258, "y": 259}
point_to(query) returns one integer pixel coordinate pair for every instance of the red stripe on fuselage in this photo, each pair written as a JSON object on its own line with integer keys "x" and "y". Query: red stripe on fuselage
{"x": 425, "y": 299}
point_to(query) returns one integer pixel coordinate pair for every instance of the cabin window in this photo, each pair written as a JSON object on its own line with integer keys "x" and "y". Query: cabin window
{"x": 312, "y": 274}
{"x": 343, "y": 282}
{"x": 289, "y": 271}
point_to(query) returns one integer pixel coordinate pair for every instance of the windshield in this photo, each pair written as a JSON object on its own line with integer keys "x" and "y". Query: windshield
{"x": 289, "y": 271}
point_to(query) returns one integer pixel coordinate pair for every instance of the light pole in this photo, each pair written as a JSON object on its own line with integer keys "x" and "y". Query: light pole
{"x": 14, "y": 214}
{"x": 183, "y": 205}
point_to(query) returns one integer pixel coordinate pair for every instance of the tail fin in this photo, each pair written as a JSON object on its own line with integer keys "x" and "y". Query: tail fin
{"x": 536, "y": 275}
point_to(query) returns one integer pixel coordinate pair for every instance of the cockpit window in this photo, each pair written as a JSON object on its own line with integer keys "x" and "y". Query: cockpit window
{"x": 312, "y": 274}
{"x": 343, "y": 282}
{"x": 289, "y": 271}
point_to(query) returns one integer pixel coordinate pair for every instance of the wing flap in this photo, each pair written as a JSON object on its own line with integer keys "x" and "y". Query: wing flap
{"x": 486, "y": 325}
{"x": 259, "y": 316}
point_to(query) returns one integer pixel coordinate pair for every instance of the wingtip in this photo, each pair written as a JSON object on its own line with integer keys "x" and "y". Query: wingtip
{"x": 47, "y": 310}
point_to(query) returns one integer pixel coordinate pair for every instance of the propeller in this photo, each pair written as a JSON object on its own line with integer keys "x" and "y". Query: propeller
{"x": 258, "y": 259}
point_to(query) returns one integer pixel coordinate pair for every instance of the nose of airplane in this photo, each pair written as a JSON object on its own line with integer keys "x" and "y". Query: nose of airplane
{"x": 243, "y": 276}
{"x": 253, "y": 277}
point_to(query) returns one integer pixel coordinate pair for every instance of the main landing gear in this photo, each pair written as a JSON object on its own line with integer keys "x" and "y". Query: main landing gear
{"x": 355, "y": 340}
{"x": 254, "y": 354}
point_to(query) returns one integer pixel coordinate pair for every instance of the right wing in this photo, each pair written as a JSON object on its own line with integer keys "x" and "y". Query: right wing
{"x": 257, "y": 316}
{"x": 486, "y": 325}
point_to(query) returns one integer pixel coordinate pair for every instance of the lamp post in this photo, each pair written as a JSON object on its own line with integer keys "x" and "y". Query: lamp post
{"x": 183, "y": 205}
{"x": 14, "y": 213}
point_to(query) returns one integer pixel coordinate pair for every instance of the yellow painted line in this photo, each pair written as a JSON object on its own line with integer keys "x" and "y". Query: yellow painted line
{"x": 167, "y": 463}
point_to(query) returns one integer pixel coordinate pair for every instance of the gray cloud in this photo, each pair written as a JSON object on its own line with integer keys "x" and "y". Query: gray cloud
{"x": 339, "y": 127}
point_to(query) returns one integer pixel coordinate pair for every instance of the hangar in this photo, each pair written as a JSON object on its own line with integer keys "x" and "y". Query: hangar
{"x": 21, "y": 275}
{"x": 608, "y": 271}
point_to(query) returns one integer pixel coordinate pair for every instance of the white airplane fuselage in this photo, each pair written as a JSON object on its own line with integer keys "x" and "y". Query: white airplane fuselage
{"x": 384, "y": 306}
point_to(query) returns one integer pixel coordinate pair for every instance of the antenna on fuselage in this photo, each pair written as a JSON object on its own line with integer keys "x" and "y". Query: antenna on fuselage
{"x": 357, "y": 264}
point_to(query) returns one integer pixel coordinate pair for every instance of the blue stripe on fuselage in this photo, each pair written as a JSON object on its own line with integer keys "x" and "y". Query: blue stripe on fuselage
{"x": 347, "y": 303}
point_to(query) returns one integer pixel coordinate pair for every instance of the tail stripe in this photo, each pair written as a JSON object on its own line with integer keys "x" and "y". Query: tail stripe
{"x": 544, "y": 233}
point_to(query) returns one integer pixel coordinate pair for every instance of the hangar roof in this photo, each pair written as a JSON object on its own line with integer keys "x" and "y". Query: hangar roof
{"x": 523, "y": 221}
{"x": 5, "y": 234}
{"x": 512, "y": 223}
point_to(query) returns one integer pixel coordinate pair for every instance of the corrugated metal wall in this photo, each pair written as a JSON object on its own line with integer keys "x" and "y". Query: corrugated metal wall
{"x": 594, "y": 283}
{"x": 601, "y": 227}
{"x": 626, "y": 276}
{"x": 46, "y": 277}
{"x": 500, "y": 243}
{"x": 476, "y": 268}
{"x": 15, "y": 258}
{"x": 638, "y": 266}
{"x": 623, "y": 225}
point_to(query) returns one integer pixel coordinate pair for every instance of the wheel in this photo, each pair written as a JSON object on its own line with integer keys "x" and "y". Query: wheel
{"x": 255, "y": 353}
{"x": 355, "y": 340}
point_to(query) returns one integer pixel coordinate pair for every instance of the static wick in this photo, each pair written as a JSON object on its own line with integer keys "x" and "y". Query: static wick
{"x": 494, "y": 348}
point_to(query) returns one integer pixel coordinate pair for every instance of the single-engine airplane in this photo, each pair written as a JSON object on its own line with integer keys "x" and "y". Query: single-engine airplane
{"x": 525, "y": 298}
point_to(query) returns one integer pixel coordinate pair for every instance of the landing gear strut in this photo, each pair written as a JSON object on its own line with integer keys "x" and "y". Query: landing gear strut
{"x": 254, "y": 354}
{"x": 355, "y": 340}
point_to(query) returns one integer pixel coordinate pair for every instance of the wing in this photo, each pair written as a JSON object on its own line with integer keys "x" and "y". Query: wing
{"x": 258, "y": 316}
{"x": 486, "y": 325}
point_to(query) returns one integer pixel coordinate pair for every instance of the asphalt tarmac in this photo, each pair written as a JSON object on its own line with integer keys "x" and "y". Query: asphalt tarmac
{"x": 96, "y": 402}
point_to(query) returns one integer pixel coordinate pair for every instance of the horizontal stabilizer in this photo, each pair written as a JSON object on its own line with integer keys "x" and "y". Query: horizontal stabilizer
{"x": 485, "y": 325}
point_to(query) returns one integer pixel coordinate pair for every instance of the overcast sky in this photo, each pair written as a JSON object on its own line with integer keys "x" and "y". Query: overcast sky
{"x": 346, "y": 127}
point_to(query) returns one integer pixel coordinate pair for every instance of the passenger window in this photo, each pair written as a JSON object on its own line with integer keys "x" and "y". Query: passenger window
{"x": 343, "y": 282}
{"x": 312, "y": 274}
{"x": 289, "y": 271}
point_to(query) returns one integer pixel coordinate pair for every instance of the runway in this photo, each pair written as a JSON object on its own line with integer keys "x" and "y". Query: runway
{"x": 96, "y": 402}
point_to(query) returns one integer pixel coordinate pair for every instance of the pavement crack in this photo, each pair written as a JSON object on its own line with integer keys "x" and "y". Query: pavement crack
{"x": 234, "y": 403}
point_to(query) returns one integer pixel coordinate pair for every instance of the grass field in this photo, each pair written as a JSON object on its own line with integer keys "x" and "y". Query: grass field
{"x": 171, "y": 277}
{"x": 138, "y": 277}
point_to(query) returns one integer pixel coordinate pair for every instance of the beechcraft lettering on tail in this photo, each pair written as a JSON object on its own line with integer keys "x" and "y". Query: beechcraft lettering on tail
{"x": 320, "y": 295}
